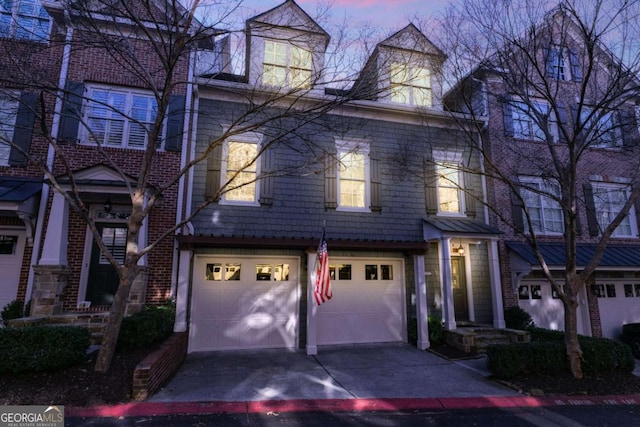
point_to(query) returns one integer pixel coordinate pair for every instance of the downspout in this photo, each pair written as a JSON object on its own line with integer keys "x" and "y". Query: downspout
{"x": 55, "y": 125}
{"x": 183, "y": 162}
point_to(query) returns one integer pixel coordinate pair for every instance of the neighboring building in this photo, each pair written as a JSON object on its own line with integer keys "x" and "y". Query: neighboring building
{"x": 63, "y": 66}
{"x": 378, "y": 164}
{"x": 524, "y": 120}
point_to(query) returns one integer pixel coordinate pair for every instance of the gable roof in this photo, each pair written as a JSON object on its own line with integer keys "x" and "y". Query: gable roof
{"x": 411, "y": 38}
{"x": 289, "y": 14}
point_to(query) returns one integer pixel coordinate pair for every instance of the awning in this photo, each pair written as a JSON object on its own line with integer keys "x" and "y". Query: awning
{"x": 436, "y": 228}
{"x": 19, "y": 195}
{"x": 615, "y": 256}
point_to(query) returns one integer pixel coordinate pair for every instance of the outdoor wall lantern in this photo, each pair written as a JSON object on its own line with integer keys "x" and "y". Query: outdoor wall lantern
{"x": 107, "y": 205}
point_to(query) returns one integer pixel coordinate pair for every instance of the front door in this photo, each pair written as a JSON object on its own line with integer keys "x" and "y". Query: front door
{"x": 103, "y": 278}
{"x": 459, "y": 285}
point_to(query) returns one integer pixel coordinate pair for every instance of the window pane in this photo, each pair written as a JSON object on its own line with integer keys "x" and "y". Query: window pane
{"x": 523, "y": 292}
{"x": 536, "y": 292}
{"x": 241, "y": 171}
{"x": 115, "y": 239}
{"x": 401, "y": 94}
{"x": 214, "y": 272}
{"x": 300, "y": 79}
{"x": 263, "y": 272}
{"x": 387, "y": 272}
{"x": 281, "y": 273}
{"x": 422, "y": 97}
{"x": 628, "y": 291}
{"x": 344, "y": 272}
{"x": 8, "y": 244}
{"x": 300, "y": 58}
{"x": 352, "y": 193}
{"x": 371, "y": 272}
{"x": 611, "y": 291}
{"x": 232, "y": 271}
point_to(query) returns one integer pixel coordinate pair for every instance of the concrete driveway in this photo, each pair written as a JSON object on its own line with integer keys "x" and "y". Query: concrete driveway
{"x": 337, "y": 372}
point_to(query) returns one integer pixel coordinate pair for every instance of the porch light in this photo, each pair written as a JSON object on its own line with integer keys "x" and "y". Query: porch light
{"x": 460, "y": 250}
{"x": 107, "y": 205}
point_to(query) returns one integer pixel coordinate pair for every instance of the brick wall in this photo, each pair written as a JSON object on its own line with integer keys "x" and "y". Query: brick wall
{"x": 157, "y": 368}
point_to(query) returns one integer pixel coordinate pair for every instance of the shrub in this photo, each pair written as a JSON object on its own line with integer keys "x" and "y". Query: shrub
{"x": 517, "y": 318}
{"x": 13, "y": 310}
{"x": 436, "y": 334}
{"x": 42, "y": 348}
{"x": 147, "y": 327}
{"x": 546, "y": 355}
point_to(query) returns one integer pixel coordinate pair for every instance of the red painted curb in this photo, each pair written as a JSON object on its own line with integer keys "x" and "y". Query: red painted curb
{"x": 343, "y": 405}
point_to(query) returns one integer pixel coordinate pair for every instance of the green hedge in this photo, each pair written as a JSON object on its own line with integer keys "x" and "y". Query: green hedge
{"x": 546, "y": 355}
{"x": 42, "y": 348}
{"x": 147, "y": 327}
{"x": 13, "y": 310}
{"x": 517, "y": 318}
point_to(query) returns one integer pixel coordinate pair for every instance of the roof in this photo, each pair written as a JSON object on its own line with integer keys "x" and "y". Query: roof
{"x": 18, "y": 190}
{"x": 554, "y": 254}
{"x": 436, "y": 227}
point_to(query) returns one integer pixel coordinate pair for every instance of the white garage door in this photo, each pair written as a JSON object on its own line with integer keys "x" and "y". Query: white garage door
{"x": 367, "y": 304}
{"x": 546, "y": 310}
{"x": 619, "y": 303}
{"x": 244, "y": 303}
{"x": 11, "y": 251}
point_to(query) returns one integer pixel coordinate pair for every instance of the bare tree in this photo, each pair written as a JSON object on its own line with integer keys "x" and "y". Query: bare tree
{"x": 155, "y": 46}
{"x": 553, "y": 87}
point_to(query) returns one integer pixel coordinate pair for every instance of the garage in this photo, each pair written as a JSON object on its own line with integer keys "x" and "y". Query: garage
{"x": 539, "y": 300}
{"x": 11, "y": 251}
{"x": 368, "y": 303}
{"x": 618, "y": 303}
{"x": 244, "y": 303}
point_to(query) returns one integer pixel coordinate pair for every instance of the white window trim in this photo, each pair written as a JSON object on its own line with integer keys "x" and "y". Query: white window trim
{"x": 84, "y": 133}
{"x": 250, "y": 138}
{"x": 517, "y": 110}
{"x": 13, "y": 26}
{"x": 563, "y": 53}
{"x": 288, "y": 66}
{"x": 410, "y": 83}
{"x": 535, "y": 180}
{"x": 360, "y": 147}
{"x": 7, "y": 99}
{"x": 611, "y": 122}
{"x": 441, "y": 157}
{"x": 631, "y": 215}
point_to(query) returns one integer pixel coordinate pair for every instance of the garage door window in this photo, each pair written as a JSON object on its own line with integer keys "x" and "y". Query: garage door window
{"x": 8, "y": 244}
{"x": 371, "y": 272}
{"x": 604, "y": 291}
{"x": 632, "y": 291}
{"x": 214, "y": 271}
{"x": 276, "y": 272}
{"x": 344, "y": 271}
{"x": 530, "y": 292}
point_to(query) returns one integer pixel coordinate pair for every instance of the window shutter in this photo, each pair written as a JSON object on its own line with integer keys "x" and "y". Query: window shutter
{"x": 431, "y": 187}
{"x": 469, "y": 194}
{"x": 548, "y": 62}
{"x": 266, "y": 181}
{"x": 175, "y": 120}
{"x": 590, "y": 205}
{"x": 71, "y": 112}
{"x": 23, "y": 132}
{"x": 562, "y": 122}
{"x": 628, "y": 128}
{"x": 576, "y": 70}
{"x": 376, "y": 185}
{"x": 517, "y": 208}
{"x": 507, "y": 117}
{"x": 214, "y": 165}
{"x": 330, "y": 182}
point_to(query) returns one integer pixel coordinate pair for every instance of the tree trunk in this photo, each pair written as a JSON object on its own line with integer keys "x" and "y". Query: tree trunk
{"x": 574, "y": 352}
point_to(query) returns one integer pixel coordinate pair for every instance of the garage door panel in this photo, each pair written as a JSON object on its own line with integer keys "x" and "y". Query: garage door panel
{"x": 618, "y": 303}
{"x": 536, "y": 298}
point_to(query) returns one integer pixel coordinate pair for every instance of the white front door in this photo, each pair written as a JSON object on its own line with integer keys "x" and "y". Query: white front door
{"x": 11, "y": 252}
{"x": 368, "y": 303}
{"x": 244, "y": 303}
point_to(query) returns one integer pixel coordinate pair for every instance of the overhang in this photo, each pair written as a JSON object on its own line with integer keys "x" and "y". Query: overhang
{"x": 19, "y": 196}
{"x": 437, "y": 228}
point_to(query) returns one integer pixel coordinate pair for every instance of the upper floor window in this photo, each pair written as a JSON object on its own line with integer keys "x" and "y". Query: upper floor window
{"x": 240, "y": 171}
{"x": 527, "y": 119}
{"x": 23, "y": 19}
{"x": 545, "y": 213}
{"x": 601, "y": 128}
{"x": 410, "y": 85}
{"x": 608, "y": 201}
{"x": 449, "y": 182}
{"x": 8, "y": 113}
{"x": 353, "y": 176}
{"x": 119, "y": 117}
{"x": 286, "y": 65}
{"x": 562, "y": 64}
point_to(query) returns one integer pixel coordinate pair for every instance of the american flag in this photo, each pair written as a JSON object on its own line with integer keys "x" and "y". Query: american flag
{"x": 322, "y": 291}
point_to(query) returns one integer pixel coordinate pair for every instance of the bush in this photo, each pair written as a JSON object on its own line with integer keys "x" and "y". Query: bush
{"x": 546, "y": 355}
{"x": 517, "y": 318}
{"x": 436, "y": 334}
{"x": 147, "y": 327}
{"x": 13, "y": 310}
{"x": 42, "y": 348}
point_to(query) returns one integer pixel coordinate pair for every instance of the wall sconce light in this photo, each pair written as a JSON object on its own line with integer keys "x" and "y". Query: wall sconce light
{"x": 107, "y": 205}
{"x": 460, "y": 250}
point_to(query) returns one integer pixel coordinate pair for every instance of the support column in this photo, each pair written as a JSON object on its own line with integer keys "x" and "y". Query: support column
{"x": 54, "y": 250}
{"x": 182, "y": 291}
{"x": 448, "y": 314}
{"x": 496, "y": 286}
{"x": 421, "y": 302}
{"x": 138, "y": 292}
{"x": 312, "y": 308}
{"x": 49, "y": 283}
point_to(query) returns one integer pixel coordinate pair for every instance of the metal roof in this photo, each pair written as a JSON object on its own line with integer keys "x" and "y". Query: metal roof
{"x": 18, "y": 190}
{"x": 437, "y": 227}
{"x": 554, "y": 254}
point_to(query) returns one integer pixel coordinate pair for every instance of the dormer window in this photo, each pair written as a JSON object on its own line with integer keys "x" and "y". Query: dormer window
{"x": 562, "y": 64}
{"x": 410, "y": 85}
{"x": 24, "y": 20}
{"x": 286, "y": 65}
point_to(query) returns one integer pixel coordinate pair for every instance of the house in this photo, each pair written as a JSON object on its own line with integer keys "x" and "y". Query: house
{"x": 576, "y": 108}
{"x": 376, "y": 166}
{"x": 75, "y": 85}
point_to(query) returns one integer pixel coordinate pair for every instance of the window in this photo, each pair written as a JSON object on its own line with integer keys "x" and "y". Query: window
{"x": 8, "y": 113}
{"x": 608, "y": 201}
{"x": 601, "y": 127}
{"x": 8, "y": 244}
{"x": 353, "y": 175}
{"x": 526, "y": 125}
{"x": 219, "y": 271}
{"x": 344, "y": 271}
{"x": 449, "y": 188}
{"x": 562, "y": 64}
{"x": 410, "y": 85}
{"x": 545, "y": 213}
{"x": 286, "y": 65}
{"x": 23, "y": 19}
{"x": 240, "y": 171}
{"x": 119, "y": 118}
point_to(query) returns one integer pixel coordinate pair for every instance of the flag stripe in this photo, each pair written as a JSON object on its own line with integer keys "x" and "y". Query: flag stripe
{"x": 322, "y": 292}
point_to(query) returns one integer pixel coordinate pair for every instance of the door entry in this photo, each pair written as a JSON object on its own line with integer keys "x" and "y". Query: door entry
{"x": 459, "y": 285}
{"x": 103, "y": 278}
